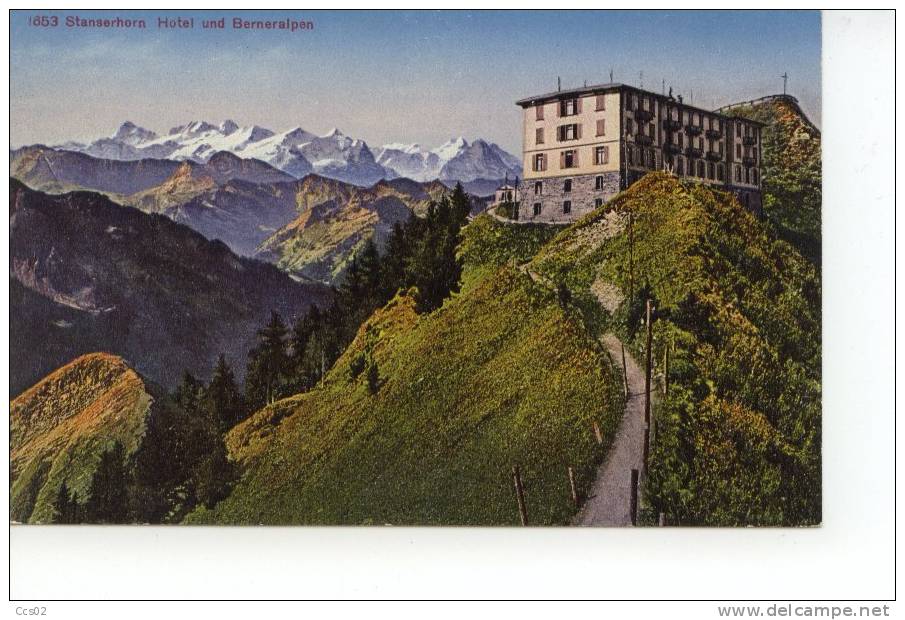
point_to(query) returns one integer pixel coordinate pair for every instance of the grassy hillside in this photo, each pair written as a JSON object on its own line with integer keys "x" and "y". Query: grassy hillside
{"x": 60, "y": 427}
{"x": 738, "y": 438}
{"x": 422, "y": 418}
{"x": 791, "y": 173}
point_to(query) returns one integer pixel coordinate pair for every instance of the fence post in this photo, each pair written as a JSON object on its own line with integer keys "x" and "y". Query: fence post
{"x": 572, "y": 486}
{"x": 634, "y": 502}
{"x": 520, "y": 494}
{"x": 647, "y": 353}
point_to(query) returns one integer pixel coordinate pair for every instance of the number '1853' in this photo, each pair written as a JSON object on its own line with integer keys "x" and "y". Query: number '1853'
{"x": 44, "y": 21}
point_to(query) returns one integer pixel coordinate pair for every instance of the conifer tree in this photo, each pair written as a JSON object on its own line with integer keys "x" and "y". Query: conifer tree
{"x": 268, "y": 364}
{"x": 65, "y": 507}
{"x": 223, "y": 402}
{"x": 108, "y": 493}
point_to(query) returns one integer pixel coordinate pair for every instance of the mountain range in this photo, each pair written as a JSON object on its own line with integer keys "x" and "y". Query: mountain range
{"x": 87, "y": 274}
{"x": 310, "y": 227}
{"x": 298, "y": 152}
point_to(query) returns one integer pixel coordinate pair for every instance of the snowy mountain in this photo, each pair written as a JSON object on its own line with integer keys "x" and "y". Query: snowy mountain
{"x": 299, "y": 152}
{"x": 456, "y": 160}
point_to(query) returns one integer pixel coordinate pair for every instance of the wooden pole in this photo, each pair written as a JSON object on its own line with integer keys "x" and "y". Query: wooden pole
{"x": 572, "y": 486}
{"x": 647, "y": 353}
{"x": 634, "y": 502}
{"x": 520, "y": 494}
{"x": 624, "y": 371}
{"x": 646, "y": 446}
{"x": 597, "y": 433}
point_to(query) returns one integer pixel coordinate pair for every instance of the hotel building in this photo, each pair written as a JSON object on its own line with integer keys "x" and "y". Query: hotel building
{"x": 583, "y": 146}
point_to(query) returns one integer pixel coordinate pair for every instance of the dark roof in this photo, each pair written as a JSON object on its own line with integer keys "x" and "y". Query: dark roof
{"x": 596, "y": 88}
{"x": 556, "y": 94}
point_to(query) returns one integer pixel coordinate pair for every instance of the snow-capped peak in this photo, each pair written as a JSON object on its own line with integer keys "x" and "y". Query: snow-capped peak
{"x": 228, "y": 126}
{"x": 451, "y": 148}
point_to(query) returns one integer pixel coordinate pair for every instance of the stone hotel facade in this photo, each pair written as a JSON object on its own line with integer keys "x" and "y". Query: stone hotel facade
{"x": 583, "y": 146}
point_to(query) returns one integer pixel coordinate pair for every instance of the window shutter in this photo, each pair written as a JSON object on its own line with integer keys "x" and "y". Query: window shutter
{"x": 578, "y": 131}
{"x": 601, "y": 127}
{"x": 539, "y": 135}
{"x": 606, "y": 154}
{"x": 578, "y": 106}
{"x": 562, "y": 160}
{"x": 539, "y": 112}
{"x": 575, "y": 158}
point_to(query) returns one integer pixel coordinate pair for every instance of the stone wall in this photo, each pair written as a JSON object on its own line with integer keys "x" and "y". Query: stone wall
{"x": 582, "y": 196}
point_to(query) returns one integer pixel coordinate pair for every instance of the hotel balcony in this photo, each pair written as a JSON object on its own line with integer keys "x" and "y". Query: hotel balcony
{"x": 749, "y": 140}
{"x": 713, "y": 134}
{"x": 714, "y": 155}
{"x": 693, "y": 152}
{"x": 642, "y": 115}
{"x": 672, "y": 148}
{"x": 693, "y": 130}
{"x": 672, "y": 125}
{"x": 749, "y": 161}
{"x": 643, "y": 140}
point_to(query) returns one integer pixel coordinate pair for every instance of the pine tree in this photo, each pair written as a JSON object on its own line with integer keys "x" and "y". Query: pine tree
{"x": 222, "y": 402}
{"x": 108, "y": 493}
{"x": 65, "y": 507}
{"x": 268, "y": 365}
{"x": 392, "y": 268}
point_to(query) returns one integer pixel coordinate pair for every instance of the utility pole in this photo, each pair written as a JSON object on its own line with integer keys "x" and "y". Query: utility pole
{"x": 785, "y": 79}
{"x": 611, "y": 75}
{"x": 558, "y": 83}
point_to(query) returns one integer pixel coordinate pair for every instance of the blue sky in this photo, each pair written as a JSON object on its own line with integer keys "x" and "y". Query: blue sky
{"x": 410, "y": 76}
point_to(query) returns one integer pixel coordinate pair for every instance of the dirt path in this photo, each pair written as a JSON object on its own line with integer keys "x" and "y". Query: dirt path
{"x": 609, "y": 499}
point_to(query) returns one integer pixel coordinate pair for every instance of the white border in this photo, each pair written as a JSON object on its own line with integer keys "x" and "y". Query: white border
{"x": 851, "y": 556}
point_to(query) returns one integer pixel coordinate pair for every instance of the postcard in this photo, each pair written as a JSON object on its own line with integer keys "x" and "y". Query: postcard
{"x": 456, "y": 268}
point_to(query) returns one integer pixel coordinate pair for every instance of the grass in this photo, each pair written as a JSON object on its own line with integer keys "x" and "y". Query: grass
{"x": 500, "y": 375}
{"x": 60, "y": 427}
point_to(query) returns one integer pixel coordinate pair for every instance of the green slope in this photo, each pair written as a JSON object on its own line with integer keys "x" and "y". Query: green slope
{"x": 791, "y": 172}
{"x": 60, "y": 427}
{"x": 738, "y": 438}
{"x": 500, "y": 375}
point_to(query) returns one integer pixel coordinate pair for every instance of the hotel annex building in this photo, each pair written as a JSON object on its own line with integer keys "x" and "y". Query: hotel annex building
{"x": 583, "y": 146}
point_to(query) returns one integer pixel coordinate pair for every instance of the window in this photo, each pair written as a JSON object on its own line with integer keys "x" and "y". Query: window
{"x": 536, "y": 208}
{"x": 601, "y": 126}
{"x": 601, "y": 155}
{"x": 738, "y": 151}
{"x": 598, "y": 183}
{"x": 568, "y": 159}
{"x": 539, "y": 112}
{"x": 568, "y": 132}
{"x": 630, "y": 156}
{"x": 538, "y": 188}
{"x": 748, "y": 176}
{"x": 628, "y": 101}
{"x": 738, "y": 174}
{"x": 738, "y": 130}
{"x": 710, "y": 171}
{"x": 567, "y": 186}
{"x": 681, "y": 140}
{"x": 701, "y": 169}
{"x": 566, "y": 206}
{"x": 598, "y": 202}
{"x": 601, "y": 102}
{"x": 754, "y": 176}
{"x": 540, "y": 162}
{"x": 680, "y": 166}
{"x": 652, "y": 130}
{"x": 651, "y": 158}
{"x": 719, "y": 172}
{"x": 569, "y": 107}
{"x": 539, "y": 135}
{"x": 629, "y": 126}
